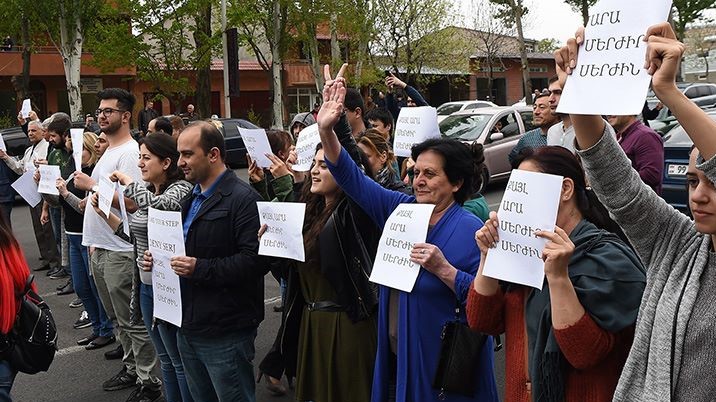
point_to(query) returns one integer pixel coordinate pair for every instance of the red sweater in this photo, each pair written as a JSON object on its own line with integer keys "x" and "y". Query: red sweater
{"x": 594, "y": 357}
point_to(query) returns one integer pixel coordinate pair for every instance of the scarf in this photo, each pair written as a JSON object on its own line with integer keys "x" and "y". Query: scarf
{"x": 609, "y": 280}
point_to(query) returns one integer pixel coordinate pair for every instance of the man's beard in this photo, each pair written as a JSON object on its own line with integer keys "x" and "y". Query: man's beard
{"x": 113, "y": 128}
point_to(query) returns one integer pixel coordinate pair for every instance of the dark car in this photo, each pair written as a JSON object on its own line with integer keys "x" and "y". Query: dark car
{"x": 677, "y": 146}
{"x": 16, "y": 140}
{"x": 235, "y": 148}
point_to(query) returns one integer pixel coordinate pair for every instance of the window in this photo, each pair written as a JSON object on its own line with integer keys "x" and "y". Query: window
{"x": 301, "y": 100}
{"x": 691, "y": 93}
{"x": 507, "y": 125}
{"x": 538, "y": 69}
{"x": 527, "y": 117}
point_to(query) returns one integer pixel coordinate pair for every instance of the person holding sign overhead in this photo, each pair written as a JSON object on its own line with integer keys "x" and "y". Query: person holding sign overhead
{"x": 409, "y": 324}
{"x": 672, "y": 354}
{"x": 574, "y": 334}
{"x": 158, "y": 163}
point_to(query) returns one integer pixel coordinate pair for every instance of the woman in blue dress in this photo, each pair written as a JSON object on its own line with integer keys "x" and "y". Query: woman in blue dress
{"x": 410, "y": 324}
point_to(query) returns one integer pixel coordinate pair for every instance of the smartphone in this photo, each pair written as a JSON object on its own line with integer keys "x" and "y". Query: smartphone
{"x": 387, "y": 73}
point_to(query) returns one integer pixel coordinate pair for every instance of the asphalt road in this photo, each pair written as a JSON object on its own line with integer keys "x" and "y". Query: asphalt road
{"x": 77, "y": 374}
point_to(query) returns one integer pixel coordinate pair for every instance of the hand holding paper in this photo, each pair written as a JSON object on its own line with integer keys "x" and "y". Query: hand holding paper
{"x": 556, "y": 254}
{"x": 257, "y": 145}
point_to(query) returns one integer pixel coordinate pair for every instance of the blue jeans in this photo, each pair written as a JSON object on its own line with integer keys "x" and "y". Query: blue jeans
{"x": 220, "y": 368}
{"x": 7, "y": 377}
{"x": 85, "y": 287}
{"x": 164, "y": 338}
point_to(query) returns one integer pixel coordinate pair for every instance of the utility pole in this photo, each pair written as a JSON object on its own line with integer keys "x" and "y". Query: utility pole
{"x": 227, "y": 96}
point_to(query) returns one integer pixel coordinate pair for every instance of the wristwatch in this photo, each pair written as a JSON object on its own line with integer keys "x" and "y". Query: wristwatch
{"x": 95, "y": 188}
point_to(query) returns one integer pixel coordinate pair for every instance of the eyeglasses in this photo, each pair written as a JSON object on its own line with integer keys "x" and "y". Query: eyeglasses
{"x": 106, "y": 112}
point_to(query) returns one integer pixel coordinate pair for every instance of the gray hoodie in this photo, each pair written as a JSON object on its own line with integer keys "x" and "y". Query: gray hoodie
{"x": 304, "y": 118}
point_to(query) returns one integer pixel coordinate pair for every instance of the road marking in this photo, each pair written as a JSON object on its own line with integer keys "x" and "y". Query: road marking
{"x": 74, "y": 349}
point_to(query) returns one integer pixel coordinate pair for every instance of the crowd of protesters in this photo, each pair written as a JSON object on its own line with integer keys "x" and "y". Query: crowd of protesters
{"x": 624, "y": 314}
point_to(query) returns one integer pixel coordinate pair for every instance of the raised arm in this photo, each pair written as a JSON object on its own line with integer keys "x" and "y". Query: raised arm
{"x": 662, "y": 60}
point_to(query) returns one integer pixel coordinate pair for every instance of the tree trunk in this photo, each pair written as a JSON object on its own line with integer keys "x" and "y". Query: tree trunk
{"x": 335, "y": 47}
{"x": 71, "y": 40}
{"x": 202, "y": 34}
{"x": 315, "y": 57}
{"x": 585, "y": 12}
{"x": 276, "y": 69}
{"x": 26, "y": 59}
{"x": 526, "y": 84}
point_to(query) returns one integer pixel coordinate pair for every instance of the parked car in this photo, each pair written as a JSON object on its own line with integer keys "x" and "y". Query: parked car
{"x": 498, "y": 129}
{"x": 448, "y": 108}
{"x": 677, "y": 146}
{"x": 235, "y": 148}
{"x": 702, "y": 94}
{"x": 16, "y": 140}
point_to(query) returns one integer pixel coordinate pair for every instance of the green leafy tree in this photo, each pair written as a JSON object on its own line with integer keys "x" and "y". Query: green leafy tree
{"x": 582, "y": 6}
{"x": 688, "y": 11}
{"x": 547, "y": 45}
{"x": 512, "y": 12}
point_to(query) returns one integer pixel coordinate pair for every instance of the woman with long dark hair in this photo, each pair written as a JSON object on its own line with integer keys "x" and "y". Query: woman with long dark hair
{"x": 574, "y": 335}
{"x": 158, "y": 158}
{"x": 13, "y": 277}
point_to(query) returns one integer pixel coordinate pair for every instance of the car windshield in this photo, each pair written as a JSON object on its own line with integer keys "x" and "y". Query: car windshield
{"x": 464, "y": 127}
{"x": 448, "y": 109}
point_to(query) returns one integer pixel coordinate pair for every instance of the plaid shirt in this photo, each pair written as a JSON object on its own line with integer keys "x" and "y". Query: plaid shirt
{"x": 531, "y": 139}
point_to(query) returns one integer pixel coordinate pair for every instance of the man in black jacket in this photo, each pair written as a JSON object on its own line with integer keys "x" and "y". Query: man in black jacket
{"x": 222, "y": 276}
{"x": 145, "y": 116}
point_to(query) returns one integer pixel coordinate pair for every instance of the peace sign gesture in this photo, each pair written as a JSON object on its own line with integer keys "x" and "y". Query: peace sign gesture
{"x": 334, "y": 93}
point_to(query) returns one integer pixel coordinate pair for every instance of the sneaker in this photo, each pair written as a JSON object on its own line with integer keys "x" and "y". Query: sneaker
{"x": 83, "y": 321}
{"x": 44, "y": 267}
{"x": 67, "y": 289}
{"x": 121, "y": 380}
{"x": 114, "y": 354}
{"x": 60, "y": 274}
{"x": 76, "y": 303}
{"x": 144, "y": 394}
{"x": 53, "y": 271}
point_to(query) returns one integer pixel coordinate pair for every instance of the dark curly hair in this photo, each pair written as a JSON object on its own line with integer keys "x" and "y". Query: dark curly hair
{"x": 460, "y": 163}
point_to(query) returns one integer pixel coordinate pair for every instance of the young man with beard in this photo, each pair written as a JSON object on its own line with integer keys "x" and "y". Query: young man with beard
{"x": 58, "y": 130}
{"x": 562, "y": 133}
{"x": 112, "y": 259}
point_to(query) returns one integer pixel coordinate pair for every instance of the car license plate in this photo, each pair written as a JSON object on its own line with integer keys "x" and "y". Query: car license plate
{"x": 677, "y": 170}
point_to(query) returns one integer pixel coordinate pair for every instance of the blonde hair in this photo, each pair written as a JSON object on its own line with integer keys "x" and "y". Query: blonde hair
{"x": 88, "y": 140}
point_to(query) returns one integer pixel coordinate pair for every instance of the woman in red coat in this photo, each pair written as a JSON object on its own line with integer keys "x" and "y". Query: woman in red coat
{"x": 569, "y": 341}
{"x": 13, "y": 276}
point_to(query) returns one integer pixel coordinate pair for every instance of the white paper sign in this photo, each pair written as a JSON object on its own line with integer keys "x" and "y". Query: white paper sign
{"x": 122, "y": 207}
{"x": 529, "y": 204}
{"x": 2, "y": 144}
{"x": 77, "y": 145}
{"x": 257, "y": 145}
{"x": 26, "y": 108}
{"x": 284, "y": 232}
{"x": 406, "y": 226}
{"x": 306, "y": 144}
{"x": 105, "y": 195}
{"x": 611, "y": 59}
{"x": 48, "y": 178}
{"x": 414, "y": 125}
{"x": 27, "y": 188}
{"x": 166, "y": 240}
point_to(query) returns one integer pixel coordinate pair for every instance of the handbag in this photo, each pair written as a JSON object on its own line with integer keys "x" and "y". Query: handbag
{"x": 459, "y": 357}
{"x": 32, "y": 342}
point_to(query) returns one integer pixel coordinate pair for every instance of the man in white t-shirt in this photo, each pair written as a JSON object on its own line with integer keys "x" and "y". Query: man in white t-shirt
{"x": 562, "y": 133}
{"x": 112, "y": 260}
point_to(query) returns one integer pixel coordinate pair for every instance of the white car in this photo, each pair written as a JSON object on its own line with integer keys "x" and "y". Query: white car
{"x": 446, "y": 109}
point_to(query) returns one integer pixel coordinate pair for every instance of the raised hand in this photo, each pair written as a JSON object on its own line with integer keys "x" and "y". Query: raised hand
{"x": 566, "y": 57}
{"x": 278, "y": 167}
{"x": 663, "y": 56}
{"x": 332, "y": 107}
{"x": 256, "y": 174}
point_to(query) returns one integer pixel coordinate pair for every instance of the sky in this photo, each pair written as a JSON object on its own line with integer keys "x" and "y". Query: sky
{"x": 546, "y": 19}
